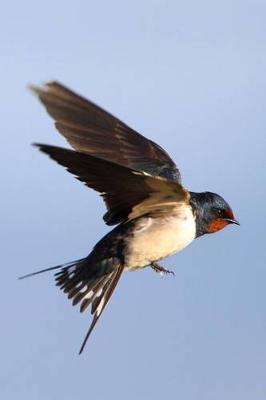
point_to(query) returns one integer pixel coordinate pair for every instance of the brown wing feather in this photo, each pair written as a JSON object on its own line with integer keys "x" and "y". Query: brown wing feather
{"x": 90, "y": 129}
{"x": 126, "y": 192}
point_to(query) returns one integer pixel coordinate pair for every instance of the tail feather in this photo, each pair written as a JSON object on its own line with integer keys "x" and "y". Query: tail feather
{"x": 100, "y": 302}
{"x": 62, "y": 266}
{"x": 95, "y": 292}
{"x": 87, "y": 283}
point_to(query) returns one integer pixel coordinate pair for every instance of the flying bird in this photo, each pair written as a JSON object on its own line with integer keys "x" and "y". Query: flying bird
{"x": 155, "y": 216}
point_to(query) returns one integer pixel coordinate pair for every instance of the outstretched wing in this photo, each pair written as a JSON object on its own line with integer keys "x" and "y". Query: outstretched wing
{"x": 127, "y": 193}
{"x": 91, "y": 130}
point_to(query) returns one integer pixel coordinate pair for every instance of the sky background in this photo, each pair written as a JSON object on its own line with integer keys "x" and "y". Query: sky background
{"x": 190, "y": 75}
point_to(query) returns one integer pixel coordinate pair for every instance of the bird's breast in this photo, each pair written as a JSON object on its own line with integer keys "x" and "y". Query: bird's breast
{"x": 154, "y": 238}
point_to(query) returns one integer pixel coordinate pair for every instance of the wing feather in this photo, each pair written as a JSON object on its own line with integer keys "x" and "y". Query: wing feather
{"x": 127, "y": 193}
{"x": 90, "y": 129}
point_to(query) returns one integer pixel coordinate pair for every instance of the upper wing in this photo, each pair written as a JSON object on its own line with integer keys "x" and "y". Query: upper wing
{"x": 90, "y": 129}
{"x": 127, "y": 193}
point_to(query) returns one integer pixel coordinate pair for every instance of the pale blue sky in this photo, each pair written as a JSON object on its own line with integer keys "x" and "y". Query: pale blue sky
{"x": 191, "y": 76}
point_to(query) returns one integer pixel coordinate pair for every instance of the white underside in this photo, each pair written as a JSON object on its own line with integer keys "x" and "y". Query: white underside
{"x": 160, "y": 237}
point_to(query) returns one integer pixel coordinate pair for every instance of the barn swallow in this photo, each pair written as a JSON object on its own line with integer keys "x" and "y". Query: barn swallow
{"x": 155, "y": 216}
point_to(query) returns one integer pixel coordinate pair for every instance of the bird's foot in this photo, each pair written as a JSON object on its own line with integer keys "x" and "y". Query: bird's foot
{"x": 158, "y": 268}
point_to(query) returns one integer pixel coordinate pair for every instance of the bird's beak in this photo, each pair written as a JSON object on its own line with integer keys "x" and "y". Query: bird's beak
{"x": 232, "y": 221}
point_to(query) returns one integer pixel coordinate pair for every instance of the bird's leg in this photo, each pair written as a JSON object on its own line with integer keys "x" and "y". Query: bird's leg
{"x": 158, "y": 268}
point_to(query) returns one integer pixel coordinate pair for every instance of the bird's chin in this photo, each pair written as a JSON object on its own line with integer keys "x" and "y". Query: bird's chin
{"x": 218, "y": 224}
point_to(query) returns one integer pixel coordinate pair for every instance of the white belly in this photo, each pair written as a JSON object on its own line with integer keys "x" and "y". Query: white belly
{"x": 156, "y": 238}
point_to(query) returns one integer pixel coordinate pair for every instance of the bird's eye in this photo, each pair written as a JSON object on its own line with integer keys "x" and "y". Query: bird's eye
{"x": 219, "y": 212}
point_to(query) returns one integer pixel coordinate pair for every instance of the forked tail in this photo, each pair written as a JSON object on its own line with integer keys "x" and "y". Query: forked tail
{"x": 90, "y": 284}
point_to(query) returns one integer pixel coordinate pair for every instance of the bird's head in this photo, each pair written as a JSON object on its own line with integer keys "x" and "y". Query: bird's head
{"x": 212, "y": 212}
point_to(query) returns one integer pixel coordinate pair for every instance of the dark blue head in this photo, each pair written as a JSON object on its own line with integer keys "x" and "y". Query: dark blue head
{"x": 212, "y": 212}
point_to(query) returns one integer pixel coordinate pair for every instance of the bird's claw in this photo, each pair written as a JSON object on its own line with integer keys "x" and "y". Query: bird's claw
{"x": 158, "y": 268}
